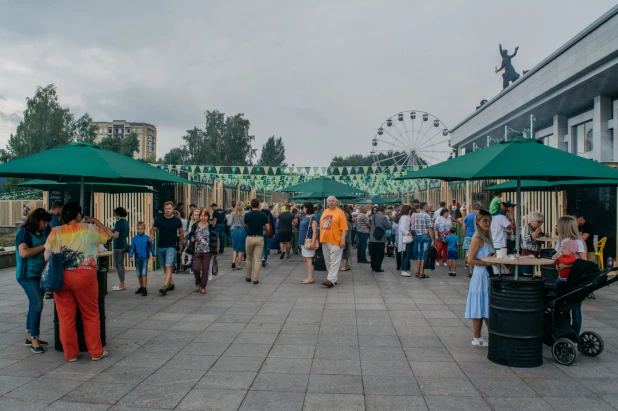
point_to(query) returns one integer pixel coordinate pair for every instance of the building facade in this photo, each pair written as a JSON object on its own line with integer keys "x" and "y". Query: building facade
{"x": 571, "y": 98}
{"x": 146, "y": 135}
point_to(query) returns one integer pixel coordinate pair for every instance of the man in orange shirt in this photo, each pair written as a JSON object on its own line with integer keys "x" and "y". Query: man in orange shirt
{"x": 333, "y": 232}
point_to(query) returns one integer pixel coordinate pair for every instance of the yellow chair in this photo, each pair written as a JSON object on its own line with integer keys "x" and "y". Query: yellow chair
{"x": 598, "y": 252}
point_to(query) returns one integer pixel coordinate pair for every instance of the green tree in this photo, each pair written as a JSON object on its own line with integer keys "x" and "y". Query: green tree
{"x": 223, "y": 141}
{"x": 150, "y": 159}
{"x": 360, "y": 160}
{"x": 177, "y": 155}
{"x": 46, "y": 125}
{"x": 127, "y": 145}
{"x": 273, "y": 153}
{"x": 84, "y": 129}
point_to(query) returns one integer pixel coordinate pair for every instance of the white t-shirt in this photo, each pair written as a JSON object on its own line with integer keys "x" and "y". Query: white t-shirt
{"x": 498, "y": 224}
{"x": 581, "y": 247}
{"x": 436, "y": 213}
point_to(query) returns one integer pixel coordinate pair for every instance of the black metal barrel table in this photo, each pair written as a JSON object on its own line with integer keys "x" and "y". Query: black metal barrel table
{"x": 516, "y": 316}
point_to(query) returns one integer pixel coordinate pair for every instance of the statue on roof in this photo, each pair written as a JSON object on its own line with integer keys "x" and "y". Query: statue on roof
{"x": 510, "y": 75}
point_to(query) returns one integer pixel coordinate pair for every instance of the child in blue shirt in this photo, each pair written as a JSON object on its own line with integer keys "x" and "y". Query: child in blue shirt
{"x": 142, "y": 248}
{"x": 452, "y": 256}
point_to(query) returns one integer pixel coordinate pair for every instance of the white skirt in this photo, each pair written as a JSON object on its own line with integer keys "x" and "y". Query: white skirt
{"x": 307, "y": 253}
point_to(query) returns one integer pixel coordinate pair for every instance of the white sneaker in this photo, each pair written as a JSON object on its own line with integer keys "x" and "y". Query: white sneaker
{"x": 480, "y": 342}
{"x": 105, "y": 354}
{"x": 406, "y": 274}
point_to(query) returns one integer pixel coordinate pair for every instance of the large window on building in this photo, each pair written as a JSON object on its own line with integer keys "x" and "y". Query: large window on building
{"x": 582, "y": 134}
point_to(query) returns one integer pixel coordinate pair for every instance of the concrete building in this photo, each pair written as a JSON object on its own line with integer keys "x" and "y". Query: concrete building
{"x": 146, "y": 134}
{"x": 572, "y": 94}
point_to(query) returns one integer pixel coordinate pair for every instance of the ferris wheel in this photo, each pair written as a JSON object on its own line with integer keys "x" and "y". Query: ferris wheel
{"x": 411, "y": 138}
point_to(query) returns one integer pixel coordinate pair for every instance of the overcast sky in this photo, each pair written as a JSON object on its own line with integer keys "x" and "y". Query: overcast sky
{"x": 321, "y": 74}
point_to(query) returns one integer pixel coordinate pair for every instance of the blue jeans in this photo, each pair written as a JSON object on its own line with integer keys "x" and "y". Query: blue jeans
{"x": 405, "y": 259}
{"x": 361, "y": 251}
{"x": 266, "y": 247}
{"x": 167, "y": 256}
{"x": 413, "y": 242}
{"x": 32, "y": 287}
{"x": 141, "y": 267}
{"x": 220, "y": 229}
{"x": 423, "y": 242}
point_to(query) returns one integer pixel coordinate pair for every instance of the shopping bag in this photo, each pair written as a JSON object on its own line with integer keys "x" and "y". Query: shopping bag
{"x": 52, "y": 276}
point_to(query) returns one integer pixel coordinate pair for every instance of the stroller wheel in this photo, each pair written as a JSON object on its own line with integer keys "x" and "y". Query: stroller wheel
{"x": 591, "y": 343}
{"x": 564, "y": 351}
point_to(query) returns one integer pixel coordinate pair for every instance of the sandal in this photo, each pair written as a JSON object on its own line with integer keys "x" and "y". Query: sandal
{"x": 417, "y": 274}
{"x": 469, "y": 275}
{"x": 328, "y": 284}
{"x": 203, "y": 291}
{"x": 305, "y": 281}
{"x": 197, "y": 288}
{"x": 344, "y": 269}
{"x": 423, "y": 276}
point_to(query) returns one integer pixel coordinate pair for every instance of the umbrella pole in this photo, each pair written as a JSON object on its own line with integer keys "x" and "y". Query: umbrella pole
{"x": 91, "y": 202}
{"x": 517, "y": 225}
{"x": 81, "y": 192}
{"x": 556, "y": 216}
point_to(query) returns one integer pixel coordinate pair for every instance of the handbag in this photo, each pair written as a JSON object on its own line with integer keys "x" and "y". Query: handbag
{"x": 309, "y": 242}
{"x": 378, "y": 232}
{"x": 407, "y": 239}
{"x": 215, "y": 265}
{"x": 319, "y": 264}
{"x": 268, "y": 229}
{"x": 52, "y": 277}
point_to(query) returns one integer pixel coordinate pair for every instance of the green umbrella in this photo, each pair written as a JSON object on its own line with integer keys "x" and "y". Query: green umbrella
{"x": 110, "y": 188}
{"x": 520, "y": 159}
{"x": 318, "y": 196}
{"x": 379, "y": 200}
{"x": 324, "y": 186}
{"x": 540, "y": 185}
{"x": 85, "y": 162}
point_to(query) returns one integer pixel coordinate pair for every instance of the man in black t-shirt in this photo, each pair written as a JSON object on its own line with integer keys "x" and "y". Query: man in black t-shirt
{"x": 284, "y": 228}
{"x": 218, "y": 216}
{"x": 256, "y": 221}
{"x": 170, "y": 229}
{"x": 587, "y": 232}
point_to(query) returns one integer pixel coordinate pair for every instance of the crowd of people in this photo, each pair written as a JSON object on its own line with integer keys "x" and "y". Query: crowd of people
{"x": 406, "y": 232}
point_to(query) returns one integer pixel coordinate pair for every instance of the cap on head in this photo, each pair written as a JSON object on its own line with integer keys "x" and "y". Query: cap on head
{"x": 571, "y": 246}
{"x": 213, "y": 205}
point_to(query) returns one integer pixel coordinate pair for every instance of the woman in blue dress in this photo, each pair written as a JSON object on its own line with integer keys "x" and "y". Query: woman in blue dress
{"x": 477, "y": 305}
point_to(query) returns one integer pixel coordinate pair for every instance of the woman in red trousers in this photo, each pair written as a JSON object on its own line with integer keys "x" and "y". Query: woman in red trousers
{"x": 78, "y": 241}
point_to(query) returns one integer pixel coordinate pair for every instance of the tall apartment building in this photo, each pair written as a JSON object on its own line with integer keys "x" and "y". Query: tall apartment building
{"x": 146, "y": 134}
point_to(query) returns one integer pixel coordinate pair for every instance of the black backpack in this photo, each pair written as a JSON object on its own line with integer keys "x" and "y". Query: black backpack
{"x": 430, "y": 258}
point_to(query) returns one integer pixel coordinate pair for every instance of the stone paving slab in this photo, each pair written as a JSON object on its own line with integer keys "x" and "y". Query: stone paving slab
{"x": 373, "y": 342}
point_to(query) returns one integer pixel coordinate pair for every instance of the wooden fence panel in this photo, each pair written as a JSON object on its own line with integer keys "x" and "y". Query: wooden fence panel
{"x": 11, "y": 210}
{"x": 138, "y": 206}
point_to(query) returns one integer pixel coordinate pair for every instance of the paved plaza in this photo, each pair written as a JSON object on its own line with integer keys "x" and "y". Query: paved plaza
{"x": 374, "y": 342}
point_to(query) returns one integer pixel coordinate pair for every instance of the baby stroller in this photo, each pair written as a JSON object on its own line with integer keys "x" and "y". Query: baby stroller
{"x": 560, "y": 300}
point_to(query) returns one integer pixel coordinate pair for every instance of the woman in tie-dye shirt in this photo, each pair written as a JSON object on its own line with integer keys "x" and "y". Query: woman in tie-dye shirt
{"x": 78, "y": 241}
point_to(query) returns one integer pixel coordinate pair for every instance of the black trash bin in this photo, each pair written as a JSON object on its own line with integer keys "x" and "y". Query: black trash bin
{"x": 516, "y": 321}
{"x": 102, "y": 281}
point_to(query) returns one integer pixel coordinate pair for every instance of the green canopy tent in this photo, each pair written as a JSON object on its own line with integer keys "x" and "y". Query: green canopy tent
{"x": 110, "y": 188}
{"x": 540, "y": 185}
{"x": 379, "y": 200}
{"x": 85, "y": 162}
{"x": 518, "y": 159}
{"x": 318, "y": 196}
{"x": 324, "y": 187}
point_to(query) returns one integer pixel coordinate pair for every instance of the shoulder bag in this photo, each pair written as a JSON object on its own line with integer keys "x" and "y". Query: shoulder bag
{"x": 308, "y": 241}
{"x": 52, "y": 277}
{"x": 268, "y": 229}
{"x": 378, "y": 232}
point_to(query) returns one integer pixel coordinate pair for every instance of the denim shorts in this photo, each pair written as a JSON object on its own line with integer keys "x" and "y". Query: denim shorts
{"x": 167, "y": 255}
{"x": 423, "y": 242}
{"x": 141, "y": 267}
